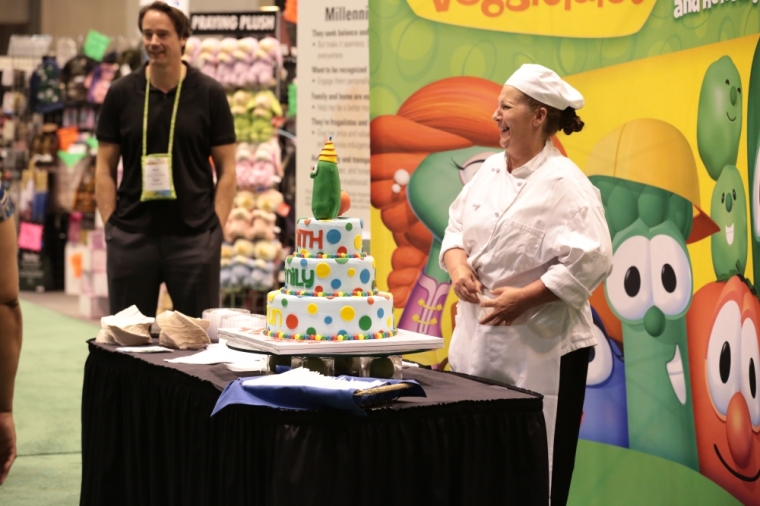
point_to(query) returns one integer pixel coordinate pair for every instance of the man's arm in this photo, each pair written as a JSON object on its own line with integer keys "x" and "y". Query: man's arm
{"x": 226, "y": 182}
{"x": 105, "y": 186}
{"x": 10, "y": 342}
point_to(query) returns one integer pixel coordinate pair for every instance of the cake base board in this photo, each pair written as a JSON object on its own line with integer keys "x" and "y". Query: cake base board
{"x": 404, "y": 342}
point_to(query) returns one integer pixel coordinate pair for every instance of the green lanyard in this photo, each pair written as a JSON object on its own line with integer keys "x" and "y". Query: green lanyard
{"x": 145, "y": 115}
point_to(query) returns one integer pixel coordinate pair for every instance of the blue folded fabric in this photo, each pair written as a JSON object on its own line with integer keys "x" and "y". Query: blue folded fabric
{"x": 247, "y": 391}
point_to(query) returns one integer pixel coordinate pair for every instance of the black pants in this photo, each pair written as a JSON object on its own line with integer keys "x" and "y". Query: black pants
{"x": 137, "y": 264}
{"x": 572, "y": 391}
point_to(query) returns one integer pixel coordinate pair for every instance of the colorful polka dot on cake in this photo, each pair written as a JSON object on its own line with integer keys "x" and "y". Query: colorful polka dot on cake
{"x": 328, "y": 320}
{"x": 347, "y": 313}
{"x": 323, "y": 270}
{"x": 333, "y": 236}
{"x": 335, "y": 283}
{"x": 349, "y": 227}
{"x": 358, "y": 242}
{"x": 365, "y": 322}
{"x": 284, "y": 302}
{"x": 370, "y": 300}
{"x": 291, "y": 321}
{"x": 303, "y": 262}
{"x": 380, "y": 313}
{"x": 312, "y": 308}
{"x": 364, "y": 275}
{"x": 351, "y": 272}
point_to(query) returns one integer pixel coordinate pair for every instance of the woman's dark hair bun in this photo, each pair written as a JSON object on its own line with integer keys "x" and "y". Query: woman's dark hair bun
{"x": 569, "y": 122}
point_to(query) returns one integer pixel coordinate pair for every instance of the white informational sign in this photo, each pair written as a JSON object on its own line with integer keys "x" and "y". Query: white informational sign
{"x": 333, "y": 99}
{"x": 183, "y": 5}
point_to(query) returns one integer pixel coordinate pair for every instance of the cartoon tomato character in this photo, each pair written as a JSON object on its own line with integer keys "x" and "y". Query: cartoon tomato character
{"x": 724, "y": 359}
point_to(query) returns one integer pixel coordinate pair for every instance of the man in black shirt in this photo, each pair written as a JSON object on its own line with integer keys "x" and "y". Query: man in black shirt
{"x": 164, "y": 222}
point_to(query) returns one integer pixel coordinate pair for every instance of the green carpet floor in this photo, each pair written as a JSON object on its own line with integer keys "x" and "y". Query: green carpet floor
{"x": 47, "y": 410}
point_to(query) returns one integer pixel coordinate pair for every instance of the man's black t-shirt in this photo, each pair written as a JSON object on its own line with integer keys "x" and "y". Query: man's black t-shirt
{"x": 203, "y": 120}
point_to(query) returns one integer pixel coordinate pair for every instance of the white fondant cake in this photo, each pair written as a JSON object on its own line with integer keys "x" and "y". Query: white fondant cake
{"x": 330, "y": 291}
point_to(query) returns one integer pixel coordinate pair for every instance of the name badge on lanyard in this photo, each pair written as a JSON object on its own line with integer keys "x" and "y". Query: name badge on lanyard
{"x": 157, "y": 177}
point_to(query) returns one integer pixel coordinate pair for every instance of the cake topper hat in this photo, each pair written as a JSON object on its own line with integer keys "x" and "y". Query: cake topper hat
{"x": 328, "y": 152}
{"x": 325, "y": 197}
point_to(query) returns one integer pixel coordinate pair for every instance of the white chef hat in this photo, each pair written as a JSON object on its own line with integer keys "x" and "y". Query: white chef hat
{"x": 544, "y": 85}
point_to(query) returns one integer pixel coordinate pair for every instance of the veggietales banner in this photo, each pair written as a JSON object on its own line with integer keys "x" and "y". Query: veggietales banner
{"x": 671, "y": 140}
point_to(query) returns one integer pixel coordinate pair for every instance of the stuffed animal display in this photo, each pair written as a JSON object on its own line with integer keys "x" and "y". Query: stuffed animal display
{"x": 251, "y": 251}
{"x": 247, "y": 68}
{"x": 244, "y": 63}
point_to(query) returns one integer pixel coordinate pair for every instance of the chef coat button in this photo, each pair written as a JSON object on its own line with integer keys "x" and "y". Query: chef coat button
{"x": 519, "y": 183}
{"x": 496, "y": 214}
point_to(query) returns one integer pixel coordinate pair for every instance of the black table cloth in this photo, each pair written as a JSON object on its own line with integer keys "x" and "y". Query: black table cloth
{"x": 148, "y": 439}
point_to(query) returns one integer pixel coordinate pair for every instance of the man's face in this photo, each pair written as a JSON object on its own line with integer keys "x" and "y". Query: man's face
{"x": 160, "y": 39}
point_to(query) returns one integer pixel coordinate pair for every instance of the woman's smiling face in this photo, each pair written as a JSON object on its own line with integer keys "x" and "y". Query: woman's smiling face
{"x": 519, "y": 128}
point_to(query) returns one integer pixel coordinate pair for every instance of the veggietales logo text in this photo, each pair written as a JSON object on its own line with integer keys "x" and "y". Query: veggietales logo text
{"x": 562, "y": 18}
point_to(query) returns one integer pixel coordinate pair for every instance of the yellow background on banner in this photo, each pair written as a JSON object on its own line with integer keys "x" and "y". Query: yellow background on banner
{"x": 558, "y": 18}
{"x": 665, "y": 88}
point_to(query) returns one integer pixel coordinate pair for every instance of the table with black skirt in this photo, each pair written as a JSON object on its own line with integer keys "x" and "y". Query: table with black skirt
{"x": 148, "y": 439}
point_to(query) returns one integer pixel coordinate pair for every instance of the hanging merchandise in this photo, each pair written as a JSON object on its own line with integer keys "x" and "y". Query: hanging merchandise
{"x": 73, "y": 78}
{"x": 45, "y": 87}
{"x": 99, "y": 80}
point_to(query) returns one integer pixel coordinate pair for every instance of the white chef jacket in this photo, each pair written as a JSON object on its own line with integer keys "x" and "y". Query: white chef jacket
{"x": 544, "y": 220}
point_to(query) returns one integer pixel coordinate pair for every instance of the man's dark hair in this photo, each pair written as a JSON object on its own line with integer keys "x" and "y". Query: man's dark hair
{"x": 181, "y": 23}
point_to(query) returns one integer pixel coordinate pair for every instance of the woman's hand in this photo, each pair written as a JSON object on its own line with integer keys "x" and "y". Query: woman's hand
{"x": 507, "y": 306}
{"x": 466, "y": 284}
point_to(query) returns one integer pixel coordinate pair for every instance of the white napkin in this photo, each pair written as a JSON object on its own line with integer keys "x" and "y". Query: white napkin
{"x": 181, "y": 331}
{"x": 126, "y": 328}
{"x": 219, "y": 353}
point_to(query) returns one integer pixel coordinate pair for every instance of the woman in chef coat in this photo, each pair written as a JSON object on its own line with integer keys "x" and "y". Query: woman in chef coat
{"x": 526, "y": 244}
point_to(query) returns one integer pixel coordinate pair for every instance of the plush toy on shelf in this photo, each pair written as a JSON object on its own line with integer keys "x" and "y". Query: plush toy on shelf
{"x": 269, "y": 200}
{"x": 245, "y": 199}
{"x": 208, "y": 56}
{"x": 268, "y": 57}
{"x": 225, "y": 67}
{"x": 225, "y": 274}
{"x": 192, "y": 51}
{"x": 264, "y": 173}
{"x": 241, "y": 115}
{"x": 238, "y": 224}
{"x": 262, "y": 275}
{"x": 244, "y": 167}
{"x": 265, "y": 108}
{"x": 244, "y": 55}
{"x": 262, "y": 226}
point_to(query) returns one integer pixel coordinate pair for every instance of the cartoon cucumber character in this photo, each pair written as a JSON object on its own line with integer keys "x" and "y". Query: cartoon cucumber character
{"x": 432, "y": 188}
{"x": 753, "y": 152}
{"x": 325, "y": 198}
{"x": 719, "y": 127}
{"x": 646, "y": 173}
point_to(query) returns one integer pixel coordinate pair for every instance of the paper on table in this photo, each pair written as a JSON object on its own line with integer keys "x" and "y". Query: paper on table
{"x": 219, "y": 353}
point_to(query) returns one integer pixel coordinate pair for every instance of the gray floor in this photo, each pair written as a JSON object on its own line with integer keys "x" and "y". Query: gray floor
{"x": 67, "y": 305}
